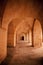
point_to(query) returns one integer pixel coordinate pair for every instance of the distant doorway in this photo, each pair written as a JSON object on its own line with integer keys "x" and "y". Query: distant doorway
{"x": 22, "y": 38}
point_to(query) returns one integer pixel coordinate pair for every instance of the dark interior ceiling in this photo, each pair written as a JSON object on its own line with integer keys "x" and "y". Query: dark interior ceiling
{"x": 37, "y": 3}
{"x": 2, "y": 7}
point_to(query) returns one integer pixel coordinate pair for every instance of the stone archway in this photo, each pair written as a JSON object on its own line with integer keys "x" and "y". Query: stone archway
{"x": 13, "y": 31}
{"x": 37, "y": 34}
{"x": 24, "y": 34}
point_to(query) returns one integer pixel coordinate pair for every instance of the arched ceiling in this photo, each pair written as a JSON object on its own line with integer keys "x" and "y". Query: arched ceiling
{"x": 2, "y": 7}
{"x": 35, "y": 5}
{"x": 17, "y": 23}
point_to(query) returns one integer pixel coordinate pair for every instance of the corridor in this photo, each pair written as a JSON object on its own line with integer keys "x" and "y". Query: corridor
{"x": 21, "y": 32}
{"x": 24, "y": 55}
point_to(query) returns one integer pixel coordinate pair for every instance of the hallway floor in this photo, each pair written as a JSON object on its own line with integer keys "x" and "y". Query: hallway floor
{"x": 24, "y": 55}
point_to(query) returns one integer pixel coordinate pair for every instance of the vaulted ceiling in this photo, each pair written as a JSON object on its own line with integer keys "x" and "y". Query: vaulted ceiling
{"x": 2, "y": 6}
{"x": 37, "y": 3}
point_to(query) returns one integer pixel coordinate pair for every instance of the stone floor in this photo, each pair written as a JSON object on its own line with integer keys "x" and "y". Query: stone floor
{"x": 24, "y": 55}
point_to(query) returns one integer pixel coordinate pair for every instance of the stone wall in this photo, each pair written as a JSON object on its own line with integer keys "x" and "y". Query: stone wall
{"x": 3, "y": 44}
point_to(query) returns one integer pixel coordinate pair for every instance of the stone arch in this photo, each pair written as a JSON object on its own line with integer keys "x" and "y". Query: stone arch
{"x": 11, "y": 27}
{"x": 14, "y": 25}
{"x": 11, "y": 32}
{"x": 37, "y": 34}
{"x": 24, "y": 29}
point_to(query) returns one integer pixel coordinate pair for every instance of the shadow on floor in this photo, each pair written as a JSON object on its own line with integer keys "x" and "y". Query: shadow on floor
{"x": 9, "y": 56}
{"x": 20, "y": 60}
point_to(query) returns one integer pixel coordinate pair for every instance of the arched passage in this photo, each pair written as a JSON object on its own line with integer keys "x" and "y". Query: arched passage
{"x": 14, "y": 10}
{"x": 23, "y": 32}
{"x": 37, "y": 34}
{"x": 18, "y": 28}
{"x": 11, "y": 35}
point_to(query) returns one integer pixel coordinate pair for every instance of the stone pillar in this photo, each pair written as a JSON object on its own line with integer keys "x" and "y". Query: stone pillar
{"x": 15, "y": 39}
{"x": 27, "y": 37}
